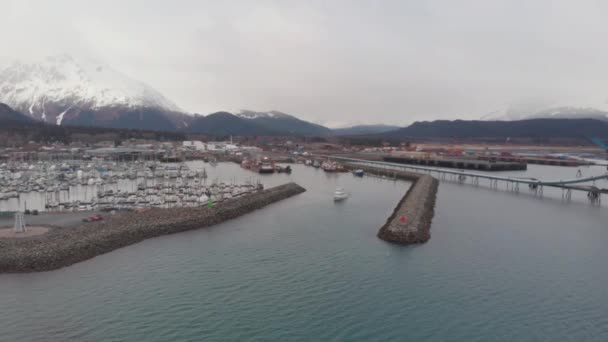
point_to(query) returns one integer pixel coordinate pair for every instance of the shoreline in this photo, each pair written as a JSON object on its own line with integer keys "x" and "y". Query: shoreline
{"x": 64, "y": 246}
{"x": 417, "y": 206}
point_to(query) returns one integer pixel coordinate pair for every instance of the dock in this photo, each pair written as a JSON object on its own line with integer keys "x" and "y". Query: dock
{"x": 474, "y": 178}
{"x": 534, "y": 160}
{"x": 459, "y": 163}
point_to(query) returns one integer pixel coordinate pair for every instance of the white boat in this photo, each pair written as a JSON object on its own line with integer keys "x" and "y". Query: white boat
{"x": 340, "y": 195}
{"x": 329, "y": 166}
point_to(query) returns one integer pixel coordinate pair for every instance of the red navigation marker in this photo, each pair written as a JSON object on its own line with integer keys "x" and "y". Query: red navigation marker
{"x": 403, "y": 219}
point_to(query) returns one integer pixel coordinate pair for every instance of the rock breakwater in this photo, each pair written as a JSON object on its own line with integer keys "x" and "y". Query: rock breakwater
{"x": 61, "y": 247}
{"x": 410, "y": 222}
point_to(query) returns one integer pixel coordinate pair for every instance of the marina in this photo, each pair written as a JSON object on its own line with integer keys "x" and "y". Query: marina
{"x": 99, "y": 185}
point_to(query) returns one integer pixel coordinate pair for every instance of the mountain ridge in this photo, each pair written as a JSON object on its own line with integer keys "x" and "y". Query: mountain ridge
{"x": 364, "y": 129}
{"x": 224, "y": 124}
{"x": 530, "y": 128}
{"x": 563, "y": 112}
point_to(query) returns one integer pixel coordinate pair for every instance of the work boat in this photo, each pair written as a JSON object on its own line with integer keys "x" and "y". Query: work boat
{"x": 266, "y": 166}
{"x": 340, "y": 195}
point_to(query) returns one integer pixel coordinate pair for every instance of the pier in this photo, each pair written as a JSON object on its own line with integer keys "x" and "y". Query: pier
{"x": 534, "y": 160}
{"x": 410, "y": 222}
{"x": 459, "y": 163}
{"x": 586, "y": 184}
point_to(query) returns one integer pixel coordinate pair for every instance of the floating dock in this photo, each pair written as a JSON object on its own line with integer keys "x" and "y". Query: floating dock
{"x": 458, "y": 163}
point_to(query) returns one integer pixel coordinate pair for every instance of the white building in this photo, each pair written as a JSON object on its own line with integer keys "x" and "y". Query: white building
{"x": 193, "y": 145}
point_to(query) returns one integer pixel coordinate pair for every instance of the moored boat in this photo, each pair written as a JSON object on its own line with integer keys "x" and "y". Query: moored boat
{"x": 280, "y": 169}
{"x": 266, "y": 166}
{"x": 329, "y": 166}
{"x": 340, "y": 195}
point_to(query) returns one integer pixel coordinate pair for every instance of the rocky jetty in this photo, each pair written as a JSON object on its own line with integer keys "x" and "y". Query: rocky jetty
{"x": 61, "y": 247}
{"x": 411, "y": 220}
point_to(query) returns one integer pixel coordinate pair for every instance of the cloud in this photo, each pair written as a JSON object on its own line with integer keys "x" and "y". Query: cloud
{"x": 333, "y": 61}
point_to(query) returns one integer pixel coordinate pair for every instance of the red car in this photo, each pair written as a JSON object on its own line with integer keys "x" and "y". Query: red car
{"x": 93, "y": 218}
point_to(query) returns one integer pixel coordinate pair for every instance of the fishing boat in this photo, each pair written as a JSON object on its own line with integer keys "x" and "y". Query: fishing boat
{"x": 266, "y": 166}
{"x": 280, "y": 169}
{"x": 340, "y": 195}
{"x": 329, "y": 166}
{"x": 246, "y": 164}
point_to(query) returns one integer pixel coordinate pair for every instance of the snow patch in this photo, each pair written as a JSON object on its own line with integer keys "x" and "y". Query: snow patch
{"x": 60, "y": 116}
{"x": 249, "y": 114}
{"x": 43, "y": 111}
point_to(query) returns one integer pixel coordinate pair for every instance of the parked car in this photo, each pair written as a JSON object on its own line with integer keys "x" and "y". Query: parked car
{"x": 93, "y": 218}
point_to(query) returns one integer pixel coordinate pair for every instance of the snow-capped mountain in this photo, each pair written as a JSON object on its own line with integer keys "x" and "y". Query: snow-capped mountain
{"x": 571, "y": 113}
{"x": 549, "y": 113}
{"x": 62, "y": 89}
{"x": 275, "y": 121}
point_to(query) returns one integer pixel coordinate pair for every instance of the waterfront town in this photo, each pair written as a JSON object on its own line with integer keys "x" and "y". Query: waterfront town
{"x": 303, "y": 170}
{"x": 75, "y": 189}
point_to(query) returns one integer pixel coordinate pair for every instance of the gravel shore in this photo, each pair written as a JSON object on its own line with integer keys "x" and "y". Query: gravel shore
{"x": 63, "y": 246}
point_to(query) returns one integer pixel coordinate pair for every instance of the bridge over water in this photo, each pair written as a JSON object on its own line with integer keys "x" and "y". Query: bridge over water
{"x": 586, "y": 184}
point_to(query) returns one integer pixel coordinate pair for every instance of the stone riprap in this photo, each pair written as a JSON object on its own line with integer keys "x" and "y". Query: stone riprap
{"x": 63, "y": 246}
{"x": 411, "y": 220}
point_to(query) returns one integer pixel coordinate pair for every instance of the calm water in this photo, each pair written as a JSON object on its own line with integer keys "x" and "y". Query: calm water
{"x": 500, "y": 266}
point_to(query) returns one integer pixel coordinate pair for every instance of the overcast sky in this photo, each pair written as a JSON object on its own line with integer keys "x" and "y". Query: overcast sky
{"x": 333, "y": 62}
